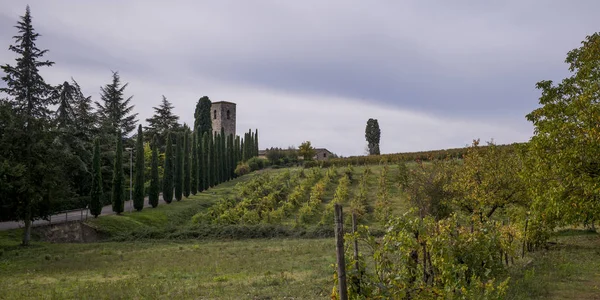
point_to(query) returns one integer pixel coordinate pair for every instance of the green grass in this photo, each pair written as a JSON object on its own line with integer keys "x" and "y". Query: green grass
{"x": 250, "y": 269}
{"x": 569, "y": 269}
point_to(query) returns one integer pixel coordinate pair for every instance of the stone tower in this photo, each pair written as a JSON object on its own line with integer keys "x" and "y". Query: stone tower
{"x": 223, "y": 115}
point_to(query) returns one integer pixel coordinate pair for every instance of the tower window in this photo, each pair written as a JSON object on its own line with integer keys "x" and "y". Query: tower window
{"x": 215, "y": 114}
{"x": 228, "y": 115}
{"x": 324, "y": 154}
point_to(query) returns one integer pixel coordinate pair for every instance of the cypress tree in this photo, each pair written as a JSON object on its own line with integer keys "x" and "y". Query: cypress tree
{"x": 205, "y": 161}
{"x": 178, "y": 176}
{"x": 96, "y": 193}
{"x": 223, "y": 155}
{"x": 201, "y": 162}
{"x": 187, "y": 176}
{"x": 237, "y": 153}
{"x": 138, "y": 189}
{"x": 244, "y": 142}
{"x": 118, "y": 203}
{"x": 168, "y": 171}
{"x": 194, "y": 162}
{"x": 202, "y": 120}
{"x": 217, "y": 166}
{"x": 256, "y": 143}
{"x": 154, "y": 179}
{"x": 231, "y": 152}
{"x": 213, "y": 164}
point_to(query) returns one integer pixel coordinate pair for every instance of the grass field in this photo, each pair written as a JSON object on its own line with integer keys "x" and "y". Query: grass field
{"x": 150, "y": 255}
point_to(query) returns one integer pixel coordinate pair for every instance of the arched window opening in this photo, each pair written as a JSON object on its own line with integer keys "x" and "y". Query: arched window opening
{"x": 215, "y": 114}
{"x": 228, "y": 115}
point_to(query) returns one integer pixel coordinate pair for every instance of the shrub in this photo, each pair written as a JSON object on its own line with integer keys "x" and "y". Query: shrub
{"x": 242, "y": 169}
{"x": 256, "y": 163}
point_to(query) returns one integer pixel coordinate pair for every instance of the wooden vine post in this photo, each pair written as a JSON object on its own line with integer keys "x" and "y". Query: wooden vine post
{"x": 339, "y": 247}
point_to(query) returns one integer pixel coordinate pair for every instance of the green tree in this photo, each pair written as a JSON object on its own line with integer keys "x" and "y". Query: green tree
{"x": 562, "y": 159}
{"x": 162, "y": 121}
{"x": 138, "y": 190}
{"x": 178, "y": 176}
{"x": 96, "y": 193}
{"x": 306, "y": 150}
{"x": 373, "y": 135}
{"x": 223, "y": 156}
{"x": 256, "y": 143}
{"x": 168, "y": 173}
{"x": 114, "y": 110}
{"x": 218, "y": 158}
{"x": 194, "y": 161}
{"x": 154, "y": 191}
{"x": 26, "y": 152}
{"x": 187, "y": 179}
{"x": 213, "y": 160}
{"x": 206, "y": 157}
{"x": 118, "y": 182}
{"x": 202, "y": 120}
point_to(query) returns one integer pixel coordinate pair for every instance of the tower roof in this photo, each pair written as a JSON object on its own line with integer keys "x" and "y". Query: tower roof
{"x": 225, "y": 102}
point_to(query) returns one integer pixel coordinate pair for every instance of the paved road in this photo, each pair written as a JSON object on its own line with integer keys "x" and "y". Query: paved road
{"x": 73, "y": 216}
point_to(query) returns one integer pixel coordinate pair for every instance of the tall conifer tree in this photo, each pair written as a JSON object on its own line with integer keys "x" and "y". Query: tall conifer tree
{"x": 28, "y": 148}
{"x": 168, "y": 171}
{"x": 154, "y": 191}
{"x": 187, "y": 175}
{"x": 194, "y": 161}
{"x": 178, "y": 176}
{"x": 138, "y": 190}
{"x": 96, "y": 193}
{"x": 118, "y": 182}
{"x": 206, "y": 153}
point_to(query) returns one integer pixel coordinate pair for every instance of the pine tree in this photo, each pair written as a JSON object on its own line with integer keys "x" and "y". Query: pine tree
{"x": 118, "y": 182}
{"x": 138, "y": 190}
{"x": 194, "y": 161}
{"x": 168, "y": 171}
{"x": 29, "y": 148}
{"x": 187, "y": 179}
{"x": 154, "y": 191}
{"x": 114, "y": 111}
{"x": 206, "y": 154}
{"x": 96, "y": 193}
{"x": 178, "y": 176}
{"x": 162, "y": 121}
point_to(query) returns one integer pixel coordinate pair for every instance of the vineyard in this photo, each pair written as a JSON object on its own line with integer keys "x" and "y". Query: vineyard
{"x": 305, "y": 197}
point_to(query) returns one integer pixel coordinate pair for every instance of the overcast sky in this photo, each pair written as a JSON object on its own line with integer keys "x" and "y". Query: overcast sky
{"x": 436, "y": 74}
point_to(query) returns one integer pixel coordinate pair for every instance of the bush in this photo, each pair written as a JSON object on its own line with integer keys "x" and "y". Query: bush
{"x": 310, "y": 164}
{"x": 242, "y": 169}
{"x": 256, "y": 163}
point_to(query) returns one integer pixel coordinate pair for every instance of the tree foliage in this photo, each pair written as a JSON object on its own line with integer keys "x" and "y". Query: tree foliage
{"x": 167, "y": 189}
{"x": 562, "y": 158}
{"x": 373, "y": 135}
{"x": 161, "y": 122}
{"x": 96, "y": 192}
{"x": 306, "y": 150}
{"x": 118, "y": 181}
{"x": 154, "y": 190}
{"x": 138, "y": 189}
{"x": 30, "y": 169}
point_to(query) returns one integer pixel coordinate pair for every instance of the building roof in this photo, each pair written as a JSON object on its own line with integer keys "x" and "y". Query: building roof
{"x": 226, "y": 102}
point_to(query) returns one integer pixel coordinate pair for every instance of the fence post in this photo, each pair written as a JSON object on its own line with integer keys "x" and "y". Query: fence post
{"x": 356, "y": 265}
{"x": 341, "y": 261}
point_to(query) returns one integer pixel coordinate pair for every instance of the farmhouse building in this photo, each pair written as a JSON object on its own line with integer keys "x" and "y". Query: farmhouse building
{"x": 320, "y": 154}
